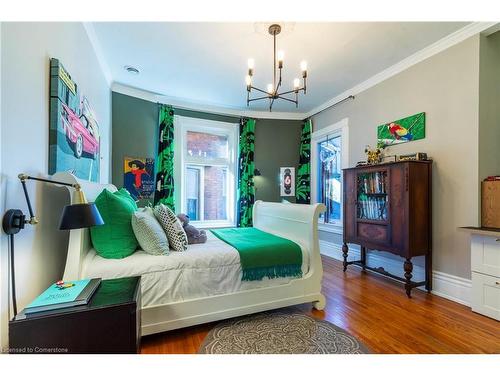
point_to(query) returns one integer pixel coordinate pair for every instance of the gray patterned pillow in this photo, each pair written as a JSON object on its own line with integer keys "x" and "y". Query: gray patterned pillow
{"x": 172, "y": 227}
{"x": 149, "y": 232}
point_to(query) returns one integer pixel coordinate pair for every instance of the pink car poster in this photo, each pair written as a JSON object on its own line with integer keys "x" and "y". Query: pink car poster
{"x": 138, "y": 177}
{"x": 74, "y": 130}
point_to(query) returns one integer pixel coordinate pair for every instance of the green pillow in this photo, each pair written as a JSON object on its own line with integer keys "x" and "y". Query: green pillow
{"x": 122, "y": 192}
{"x": 115, "y": 239}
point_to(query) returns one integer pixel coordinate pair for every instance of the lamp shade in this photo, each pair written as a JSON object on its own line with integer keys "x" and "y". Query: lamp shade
{"x": 81, "y": 215}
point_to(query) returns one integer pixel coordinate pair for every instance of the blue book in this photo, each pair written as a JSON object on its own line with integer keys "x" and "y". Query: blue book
{"x": 61, "y": 295}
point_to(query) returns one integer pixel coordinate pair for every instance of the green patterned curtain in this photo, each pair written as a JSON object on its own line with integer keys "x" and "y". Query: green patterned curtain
{"x": 164, "y": 192}
{"x": 303, "y": 181}
{"x": 246, "y": 189}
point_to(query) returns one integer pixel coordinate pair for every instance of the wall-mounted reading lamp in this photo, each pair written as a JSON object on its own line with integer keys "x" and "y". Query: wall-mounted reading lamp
{"x": 79, "y": 214}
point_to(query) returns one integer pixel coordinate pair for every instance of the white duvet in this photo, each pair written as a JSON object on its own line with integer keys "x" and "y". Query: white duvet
{"x": 202, "y": 270}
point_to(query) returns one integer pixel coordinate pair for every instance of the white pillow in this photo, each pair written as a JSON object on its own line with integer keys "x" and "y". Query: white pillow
{"x": 149, "y": 232}
{"x": 172, "y": 227}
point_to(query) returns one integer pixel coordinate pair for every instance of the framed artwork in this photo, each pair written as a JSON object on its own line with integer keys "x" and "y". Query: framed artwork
{"x": 138, "y": 177}
{"x": 74, "y": 140}
{"x": 287, "y": 181}
{"x": 407, "y": 129}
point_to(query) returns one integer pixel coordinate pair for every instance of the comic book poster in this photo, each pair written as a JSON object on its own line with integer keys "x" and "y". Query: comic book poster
{"x": 138, "y": 177}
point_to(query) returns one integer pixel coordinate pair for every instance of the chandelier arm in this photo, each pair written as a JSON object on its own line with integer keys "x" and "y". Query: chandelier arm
{"x": 271, "y": 105}
{"x": 290, "y": 91}
{"x": 287, "y": 99}
{"x": 255, "y": 88}
{"x": 259, "y": 98}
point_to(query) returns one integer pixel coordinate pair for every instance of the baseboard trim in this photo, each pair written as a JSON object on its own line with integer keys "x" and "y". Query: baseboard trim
{"x": 444, "y": 285}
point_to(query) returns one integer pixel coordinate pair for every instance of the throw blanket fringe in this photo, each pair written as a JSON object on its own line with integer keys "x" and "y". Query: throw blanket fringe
{"x": 290, "y": 270}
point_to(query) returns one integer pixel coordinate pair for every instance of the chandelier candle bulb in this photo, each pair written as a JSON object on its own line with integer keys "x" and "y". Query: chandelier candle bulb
{"x": 296, "y": 84}
{"x": 270, "y": 89}
{"x": 251, "y": 66}
{"x": 281, "y": 56}
{"x": 248, "y": 81}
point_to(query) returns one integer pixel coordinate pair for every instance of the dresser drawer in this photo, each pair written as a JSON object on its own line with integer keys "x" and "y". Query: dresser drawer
{"x": 485, "y": 255}
{"x": 486, "y": 295}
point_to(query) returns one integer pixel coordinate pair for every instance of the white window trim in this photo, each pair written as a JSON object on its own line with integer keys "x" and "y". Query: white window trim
{"x": 184, "y": 124}
{"x": 339, "y": 128}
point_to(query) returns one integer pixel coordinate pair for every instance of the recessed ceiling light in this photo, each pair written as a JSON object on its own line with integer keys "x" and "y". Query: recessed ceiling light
{"x": 131, "y": 69}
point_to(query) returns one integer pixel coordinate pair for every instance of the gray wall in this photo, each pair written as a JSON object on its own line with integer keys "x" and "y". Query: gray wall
{"x": 446, "y": 87}
{"x": 489, "y": 106}
{"x": 277, "y": 145}
{"x": 134, "y": 134}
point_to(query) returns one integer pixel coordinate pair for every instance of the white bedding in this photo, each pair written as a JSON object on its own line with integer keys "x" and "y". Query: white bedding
{"x": 202, "y": 270}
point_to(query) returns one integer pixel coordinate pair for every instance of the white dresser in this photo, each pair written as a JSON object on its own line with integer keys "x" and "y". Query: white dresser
{"x": 485, "y": 267}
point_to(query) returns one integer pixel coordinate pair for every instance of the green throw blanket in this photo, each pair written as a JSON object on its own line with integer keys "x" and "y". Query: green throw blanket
{"x": 263, "y": 254}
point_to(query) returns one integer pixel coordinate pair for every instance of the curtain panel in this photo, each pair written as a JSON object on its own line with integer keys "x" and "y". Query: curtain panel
{"x": 164, "y": 192}
{"x": 246, "y": 188}
{"x": 303, "y": 181}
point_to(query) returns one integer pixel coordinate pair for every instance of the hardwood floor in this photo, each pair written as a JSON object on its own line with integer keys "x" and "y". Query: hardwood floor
{"x": 376, "y": 311}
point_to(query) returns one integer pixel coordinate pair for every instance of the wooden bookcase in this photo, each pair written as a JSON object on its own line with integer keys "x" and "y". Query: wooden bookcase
{"x": 388, "y": 207}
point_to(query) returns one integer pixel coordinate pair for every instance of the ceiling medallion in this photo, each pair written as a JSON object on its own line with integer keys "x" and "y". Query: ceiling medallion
{"x": 272, "y": 93}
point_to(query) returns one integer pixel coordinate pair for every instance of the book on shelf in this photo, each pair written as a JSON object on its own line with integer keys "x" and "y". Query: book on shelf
{"x": 63, "y": 295}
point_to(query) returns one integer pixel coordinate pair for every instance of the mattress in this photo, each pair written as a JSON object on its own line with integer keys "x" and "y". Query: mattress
{"x": 203, "y": 270}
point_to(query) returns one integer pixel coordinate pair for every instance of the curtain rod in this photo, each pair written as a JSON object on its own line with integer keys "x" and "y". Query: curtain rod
{"x": 333, "y": 105}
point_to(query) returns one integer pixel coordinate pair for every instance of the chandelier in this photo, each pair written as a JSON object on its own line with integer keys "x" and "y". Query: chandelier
{"x": 272, "y": 93}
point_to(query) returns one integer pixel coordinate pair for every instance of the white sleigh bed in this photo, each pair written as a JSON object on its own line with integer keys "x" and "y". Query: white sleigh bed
{"x": 203, "y": 284}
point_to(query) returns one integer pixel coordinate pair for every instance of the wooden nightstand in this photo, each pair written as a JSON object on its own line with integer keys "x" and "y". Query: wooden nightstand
{"x": 110, "y": 323}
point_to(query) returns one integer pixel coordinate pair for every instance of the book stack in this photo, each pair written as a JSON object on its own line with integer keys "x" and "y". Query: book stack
{"x": 61, "y": 295}
{"x": 372, "y": 196}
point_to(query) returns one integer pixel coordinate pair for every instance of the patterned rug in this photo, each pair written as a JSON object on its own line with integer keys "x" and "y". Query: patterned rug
{"x": 279, "y": 333}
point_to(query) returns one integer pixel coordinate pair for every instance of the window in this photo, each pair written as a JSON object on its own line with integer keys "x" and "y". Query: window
{"x": 205, "y": 163}
{"x": 329, "y": 187}
{"x": 328, "y": 157}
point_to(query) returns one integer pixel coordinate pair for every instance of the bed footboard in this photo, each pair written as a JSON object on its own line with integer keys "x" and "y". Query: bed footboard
{"x": 297, "y": 222}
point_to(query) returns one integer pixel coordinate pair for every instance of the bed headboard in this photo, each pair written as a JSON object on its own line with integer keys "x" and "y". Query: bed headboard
{"x": 79, "y": 239}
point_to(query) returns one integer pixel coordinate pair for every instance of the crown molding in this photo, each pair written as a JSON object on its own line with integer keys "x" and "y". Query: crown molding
{"x": 202, "y": 107}
{"x": 431, "y": 50}
{"x": 96, "y": 45}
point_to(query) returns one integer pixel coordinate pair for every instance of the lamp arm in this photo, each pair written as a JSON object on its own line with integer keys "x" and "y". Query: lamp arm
{"x": 23, "y": 177}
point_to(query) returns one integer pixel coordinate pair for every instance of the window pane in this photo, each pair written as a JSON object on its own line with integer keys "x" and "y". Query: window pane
{"x": 193, "y": 192}
{"x": 215, "y": 200}
{"x": 329, "y": 178}
{"x": 207, "y": 145}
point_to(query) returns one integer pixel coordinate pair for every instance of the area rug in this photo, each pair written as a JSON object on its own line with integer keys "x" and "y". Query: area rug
{"x": 279, "y": 333}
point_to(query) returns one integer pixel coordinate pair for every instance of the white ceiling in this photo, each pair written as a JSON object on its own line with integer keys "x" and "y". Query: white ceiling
{"x": 206, "y": 63}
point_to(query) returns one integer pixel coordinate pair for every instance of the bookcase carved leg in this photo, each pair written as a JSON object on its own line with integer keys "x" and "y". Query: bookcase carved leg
{"x": 408, "y": 267}
{"x": 345, "y": 249}
{"x": 363, "y": 257}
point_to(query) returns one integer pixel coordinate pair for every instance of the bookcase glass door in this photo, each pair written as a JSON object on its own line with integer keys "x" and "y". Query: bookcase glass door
{"x": 372, "y": 196}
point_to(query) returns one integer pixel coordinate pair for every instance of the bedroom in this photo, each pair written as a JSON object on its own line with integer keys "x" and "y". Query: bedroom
{"x": 137, "y": 105}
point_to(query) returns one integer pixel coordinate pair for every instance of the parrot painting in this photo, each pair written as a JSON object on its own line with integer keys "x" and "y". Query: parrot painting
{"x": 399, "y": 132}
